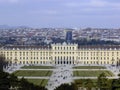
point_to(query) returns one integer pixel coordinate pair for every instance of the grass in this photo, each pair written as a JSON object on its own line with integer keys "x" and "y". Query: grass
{"x": 41, "y": 82}
{"x": 90, "y": 67}
{"x": 94, "y": 73}
{"x": 37, "y": 67}
{"x": 81, "y": 82}
{"x": 32, "y": 73}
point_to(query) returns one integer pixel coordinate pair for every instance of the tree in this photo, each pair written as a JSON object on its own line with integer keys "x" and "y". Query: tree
{"x": 67, "y": 87}
{"x": 25, "y": 85}
{"x": 79, "y": 82}
{"x": 3, "y": 62}
{"x": 4, "y": 80}
{"x": 119, "y": 76}
{"x": 102, "y": 82}
{"x": 116, "y": 84}
{"x": 13, "y": 81}
{"x": 88, "y": 84}
{"x": 10, "y": 81}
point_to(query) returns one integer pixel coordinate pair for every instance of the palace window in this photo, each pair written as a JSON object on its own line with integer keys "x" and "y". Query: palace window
{"x": 73, "y": 58}
{"x": 73, "y": 48}
{"x": 104, "y": 58}
{"x": 23, "y": 53}
{"x": 10, "y": 53}
{"x": 117, "y": 53}
{"x": 27, "y": 53}
{"x": 112, "y": 53}
{"x": 81, "y": 58}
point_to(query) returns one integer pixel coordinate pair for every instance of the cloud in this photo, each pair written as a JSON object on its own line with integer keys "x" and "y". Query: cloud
{"x": 98, "y": 3}
{"x": 92, "y": 3}
{"x": 104, "y": 4}
{"x": 44, "y": 12}
{"x": 9, "y": 1}
{"x": 72, "y": 4}
{"x": 13, "y": 1}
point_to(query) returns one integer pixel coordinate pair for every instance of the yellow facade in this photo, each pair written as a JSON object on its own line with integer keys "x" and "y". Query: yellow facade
{"x": 62, "y": 54}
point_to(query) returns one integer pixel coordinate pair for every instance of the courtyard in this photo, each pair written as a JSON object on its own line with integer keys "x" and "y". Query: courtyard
{"x": 53, "y": 76}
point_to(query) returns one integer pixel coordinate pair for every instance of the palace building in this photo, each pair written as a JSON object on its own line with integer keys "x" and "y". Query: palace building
{"x": 65, "y": 53}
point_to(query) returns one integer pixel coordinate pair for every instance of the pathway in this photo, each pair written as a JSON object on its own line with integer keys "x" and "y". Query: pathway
{"x": 62, "y": 74}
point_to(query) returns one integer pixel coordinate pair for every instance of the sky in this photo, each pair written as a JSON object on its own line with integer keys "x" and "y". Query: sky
{"x": 60, "y": 13}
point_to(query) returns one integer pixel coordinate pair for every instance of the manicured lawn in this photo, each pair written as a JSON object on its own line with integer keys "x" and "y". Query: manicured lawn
{"x": 37, "y": 67}
{"x": 90, "y": 67}
{"x": 33, "y": 73}
{"x": 41, "y": 82}
{"x": 95, "y": 73}
{"x": 81, "y": 82}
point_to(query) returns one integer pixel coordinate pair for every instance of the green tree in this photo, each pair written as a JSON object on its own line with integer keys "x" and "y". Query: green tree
{"x": 4, "y": 80}
{"x": 3, "y": 62}
{"x": 116, "y": 83}
{"x": 88, "y": 84}
{"x": 102, "y": 82}
{"x": 119, "y": 76}
{"x": 67, "y": 87}
{"x": 79, "y": 83}
{"x": 13, "y": 81}
{"x": 25, "y": 85}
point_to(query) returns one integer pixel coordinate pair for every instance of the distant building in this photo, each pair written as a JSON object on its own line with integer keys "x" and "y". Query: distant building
{"x": 68, "y": 35}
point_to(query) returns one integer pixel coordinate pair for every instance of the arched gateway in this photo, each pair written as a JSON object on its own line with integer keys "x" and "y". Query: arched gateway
{"x": 64, "y": 62}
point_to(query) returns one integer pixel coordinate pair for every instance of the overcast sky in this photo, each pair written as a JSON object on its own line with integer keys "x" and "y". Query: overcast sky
{"x": 60, "y": 13}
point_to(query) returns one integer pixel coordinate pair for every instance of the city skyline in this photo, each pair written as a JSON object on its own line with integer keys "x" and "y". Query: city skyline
{"x": 60, "y": 13}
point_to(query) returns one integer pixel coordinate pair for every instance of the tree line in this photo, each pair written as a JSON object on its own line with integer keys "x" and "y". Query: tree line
{"x": 86, "y": 42}
{"x": 102, "y": 83}
{"x": 11, "y": 82}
